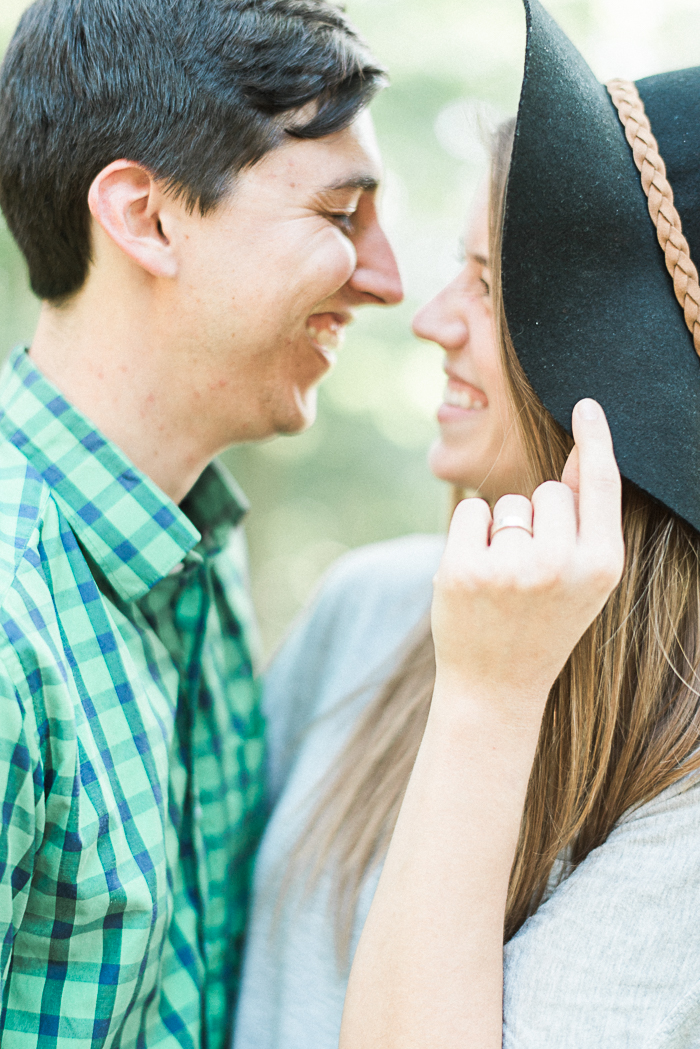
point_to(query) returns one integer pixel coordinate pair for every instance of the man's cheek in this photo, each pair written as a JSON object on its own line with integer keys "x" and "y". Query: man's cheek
{"x": 337, "y": 264}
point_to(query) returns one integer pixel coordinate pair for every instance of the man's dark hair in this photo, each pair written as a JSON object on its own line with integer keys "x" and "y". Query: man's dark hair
{"x": 194, "y": 90}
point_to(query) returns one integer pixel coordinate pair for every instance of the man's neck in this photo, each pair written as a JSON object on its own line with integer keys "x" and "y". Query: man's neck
{"x": 111, "y": 364}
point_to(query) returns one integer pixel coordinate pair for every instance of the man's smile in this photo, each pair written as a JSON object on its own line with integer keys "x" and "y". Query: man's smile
{"x": 327, "y": 332}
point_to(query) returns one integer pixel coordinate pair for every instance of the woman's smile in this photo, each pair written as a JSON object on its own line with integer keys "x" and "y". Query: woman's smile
{"x": 461, "y": 401}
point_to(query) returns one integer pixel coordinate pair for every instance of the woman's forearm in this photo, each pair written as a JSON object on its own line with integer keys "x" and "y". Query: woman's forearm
{"x": 428, "y": 970}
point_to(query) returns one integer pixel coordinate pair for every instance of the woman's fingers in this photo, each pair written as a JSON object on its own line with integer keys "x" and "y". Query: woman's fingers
{"x": 512, "y": 519}
{"x": 600, "y": 488}
{"x": 570, "y": 475}
{"x": 555, "y": 523}
{"x": 469, "y": 530}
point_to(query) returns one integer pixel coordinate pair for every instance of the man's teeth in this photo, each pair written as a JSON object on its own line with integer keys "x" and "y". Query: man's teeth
{"x": 329, "y": 338}
{"x": 462, "y": 399}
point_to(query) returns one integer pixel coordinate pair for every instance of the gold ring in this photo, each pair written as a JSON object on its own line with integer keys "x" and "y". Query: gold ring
{"x": 510, "y": 522}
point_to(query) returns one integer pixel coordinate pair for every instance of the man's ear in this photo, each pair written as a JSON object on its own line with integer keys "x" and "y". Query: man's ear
{"x": 125, "y": 201}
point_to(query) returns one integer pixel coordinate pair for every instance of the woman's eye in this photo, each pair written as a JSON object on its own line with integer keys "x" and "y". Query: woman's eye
{"x": 484, "y": 281}
{"x": 479, "y": 287}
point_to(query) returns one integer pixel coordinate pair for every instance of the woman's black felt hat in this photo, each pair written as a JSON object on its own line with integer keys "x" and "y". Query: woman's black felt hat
{"x": 589, "y": 302}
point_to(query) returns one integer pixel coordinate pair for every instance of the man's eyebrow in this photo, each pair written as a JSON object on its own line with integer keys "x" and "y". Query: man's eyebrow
{"x": 368, "y": 183}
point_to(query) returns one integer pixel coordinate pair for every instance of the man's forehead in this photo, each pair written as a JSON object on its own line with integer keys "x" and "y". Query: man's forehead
{"x": 347, "y": 160}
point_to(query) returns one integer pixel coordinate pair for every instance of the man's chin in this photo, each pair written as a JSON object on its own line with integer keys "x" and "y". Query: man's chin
{"x": 302, "y": 417}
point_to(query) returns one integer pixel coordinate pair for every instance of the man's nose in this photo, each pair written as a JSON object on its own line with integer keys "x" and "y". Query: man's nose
{"x": 377, "y": 276}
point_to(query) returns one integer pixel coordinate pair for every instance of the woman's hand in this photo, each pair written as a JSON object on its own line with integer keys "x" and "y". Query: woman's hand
{"x": 509, "y": 606}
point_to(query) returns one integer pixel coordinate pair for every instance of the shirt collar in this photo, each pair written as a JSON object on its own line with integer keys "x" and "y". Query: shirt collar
{"x": 215, "y": 505}
{"x": 132, "y": 530}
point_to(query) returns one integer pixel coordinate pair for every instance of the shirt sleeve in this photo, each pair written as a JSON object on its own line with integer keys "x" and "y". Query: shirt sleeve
{"x": 347, "y": 641}
{"x": 294, "y": 681}
{"x": 610, "y": 960}
{"x": 20, "y": 788}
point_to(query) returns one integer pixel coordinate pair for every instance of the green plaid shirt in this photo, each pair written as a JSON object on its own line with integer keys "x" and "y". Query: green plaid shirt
{"x": 130, "y": 740}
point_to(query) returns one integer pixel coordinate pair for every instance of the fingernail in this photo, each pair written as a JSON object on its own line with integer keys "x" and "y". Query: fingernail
{"x": 588, "y": 409}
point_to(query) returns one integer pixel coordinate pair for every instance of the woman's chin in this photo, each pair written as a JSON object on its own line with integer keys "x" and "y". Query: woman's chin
{"x": 453, "y": 466}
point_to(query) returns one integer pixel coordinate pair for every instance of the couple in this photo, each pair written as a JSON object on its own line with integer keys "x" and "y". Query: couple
{"x": 194, "y": 186}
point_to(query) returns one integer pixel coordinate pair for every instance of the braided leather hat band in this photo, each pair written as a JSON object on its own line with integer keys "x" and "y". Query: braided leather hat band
{"x": 664, "y": 215}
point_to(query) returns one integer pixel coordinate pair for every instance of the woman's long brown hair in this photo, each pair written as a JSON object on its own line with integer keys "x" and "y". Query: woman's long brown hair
{"x": 622, "y": 721}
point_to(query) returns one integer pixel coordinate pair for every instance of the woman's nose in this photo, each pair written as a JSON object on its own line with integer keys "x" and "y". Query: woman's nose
{"x": 441, "y": 321}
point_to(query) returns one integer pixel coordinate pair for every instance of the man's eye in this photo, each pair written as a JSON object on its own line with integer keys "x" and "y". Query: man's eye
{"x": 345, "y": 220}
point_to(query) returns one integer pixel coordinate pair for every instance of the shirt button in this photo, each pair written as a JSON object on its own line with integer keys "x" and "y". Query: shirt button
{"x": 198, "y": 812}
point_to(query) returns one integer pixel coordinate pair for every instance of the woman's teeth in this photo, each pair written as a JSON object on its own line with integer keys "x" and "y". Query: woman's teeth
{"x": 462, "y": 399}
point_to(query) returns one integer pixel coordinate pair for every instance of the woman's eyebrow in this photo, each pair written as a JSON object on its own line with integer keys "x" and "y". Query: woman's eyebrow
{"x": 481, "y": 259}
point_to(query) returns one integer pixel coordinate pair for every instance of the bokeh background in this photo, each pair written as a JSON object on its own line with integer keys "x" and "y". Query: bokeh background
{"x": 359, "y": 475}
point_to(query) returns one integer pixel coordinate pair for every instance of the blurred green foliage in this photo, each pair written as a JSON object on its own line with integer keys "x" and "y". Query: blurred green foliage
{"x": 359, "y": 475}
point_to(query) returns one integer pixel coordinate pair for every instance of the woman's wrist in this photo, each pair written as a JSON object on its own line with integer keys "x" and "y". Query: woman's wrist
{"x": 488, "y": 705}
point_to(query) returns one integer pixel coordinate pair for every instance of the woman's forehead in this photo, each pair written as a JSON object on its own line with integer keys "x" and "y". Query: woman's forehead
{"x": 477, "y": 233}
